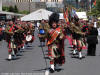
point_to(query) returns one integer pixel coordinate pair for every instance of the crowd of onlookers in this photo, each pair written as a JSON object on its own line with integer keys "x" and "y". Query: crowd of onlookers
{"x": 2, "y": 30}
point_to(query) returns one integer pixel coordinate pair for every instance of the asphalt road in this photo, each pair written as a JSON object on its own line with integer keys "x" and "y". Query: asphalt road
{"x": 32, "y": 62}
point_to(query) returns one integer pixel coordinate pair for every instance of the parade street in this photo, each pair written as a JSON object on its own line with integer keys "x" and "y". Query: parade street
{"x": 32, "y": 62}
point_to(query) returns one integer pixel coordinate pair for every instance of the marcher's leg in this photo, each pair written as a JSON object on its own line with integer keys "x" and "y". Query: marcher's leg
{"x": 79, "y": 48}
{"x": 74, "y": 46}
{"x": 43, "y": 42}
{"x": 9, "y": 51}
{"x": 52, "y": 66}
{"x": 93, "y": 50}
{"x": 89, "y": 49}
{"x": 40, "y": 41}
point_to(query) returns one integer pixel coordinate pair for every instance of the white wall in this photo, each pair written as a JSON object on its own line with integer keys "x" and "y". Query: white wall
{"x": 0, "y": 5}
{"x": 51, "y": 0}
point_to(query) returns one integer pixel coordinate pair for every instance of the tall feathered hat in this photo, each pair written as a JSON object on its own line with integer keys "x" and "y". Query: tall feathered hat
{"x": 53, "y": 18}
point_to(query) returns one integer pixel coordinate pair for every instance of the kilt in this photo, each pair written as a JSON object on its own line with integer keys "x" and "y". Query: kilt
{"x": 76, "y": 36}
{"x": 58, "y": 56}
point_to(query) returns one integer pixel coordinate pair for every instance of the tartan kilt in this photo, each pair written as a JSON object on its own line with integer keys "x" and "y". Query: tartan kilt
{"x": 60, "y": 57}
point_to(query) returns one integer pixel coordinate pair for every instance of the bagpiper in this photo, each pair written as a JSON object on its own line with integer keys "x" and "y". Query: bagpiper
{"x": 76, "y": 36}
{"x": 55, "y": 43}
{"x": 19, "y": 37}
{"x": 11, "y": 32}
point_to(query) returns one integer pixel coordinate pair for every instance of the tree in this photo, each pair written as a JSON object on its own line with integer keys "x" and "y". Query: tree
{"x": 5, "y": 8}
{"x": 98, "y": 5}
{"x": 24, "y": 12}
{"x": 16, "y": 9}
{"x": 11, "y": 9}
{"x": 95, "y": 11}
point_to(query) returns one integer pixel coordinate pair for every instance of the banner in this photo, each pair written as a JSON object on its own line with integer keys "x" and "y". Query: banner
{"x": 94, "y": 3}
{"x": 66, "y": 15}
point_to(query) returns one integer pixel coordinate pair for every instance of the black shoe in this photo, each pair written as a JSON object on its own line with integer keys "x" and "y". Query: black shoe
{"x": 93, "y": 55}
{"x": 51, "y": 70}
{"x": 88, "y": 54}
{"x": 8, "y": 59}
{"x": 58, "y": 70}
{"x": 80, "y": 58}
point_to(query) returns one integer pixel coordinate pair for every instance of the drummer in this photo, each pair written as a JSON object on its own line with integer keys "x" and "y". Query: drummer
{"x": 43, "y": 28}
{"x": 30, "y": 33}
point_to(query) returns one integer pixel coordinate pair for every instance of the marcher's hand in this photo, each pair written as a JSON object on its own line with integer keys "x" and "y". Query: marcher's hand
{"x": 11, "y": 33}
{"x": 61, "y": 37}
{"x": 15, "y": 31}
{"x": 83, "y": 34}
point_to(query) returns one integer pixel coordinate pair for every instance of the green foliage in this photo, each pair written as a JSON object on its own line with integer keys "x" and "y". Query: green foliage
{"x": 4, "y": 8}
{"x": 24, "y": 12}
{"x": 11, "y": 9}
{"x": 15, "y": 9}
{"x": 98, "y": 5}
{"x": 95, "y": 11}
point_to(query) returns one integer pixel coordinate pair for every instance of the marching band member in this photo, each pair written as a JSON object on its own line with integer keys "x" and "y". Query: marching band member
{"x": 77, "y": 35}
{"x": 11, "y": 31}
{"x": 19, "y": 35}
{"x": 30, "y": 33}
{"x": 55, "y": 43}
{"x": 23, "y": 37}
{"x": 42, "y": 32}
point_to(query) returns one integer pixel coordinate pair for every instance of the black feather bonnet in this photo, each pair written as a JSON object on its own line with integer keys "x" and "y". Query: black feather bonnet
{"x": 53, "y": 18}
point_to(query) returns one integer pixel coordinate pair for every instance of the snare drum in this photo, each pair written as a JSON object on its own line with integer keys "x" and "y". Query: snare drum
{"x": 28, "y": 38}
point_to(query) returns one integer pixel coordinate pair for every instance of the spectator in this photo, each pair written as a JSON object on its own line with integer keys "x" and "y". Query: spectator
{"x": 0, "y": 31}
{"x": 92, "y": 39}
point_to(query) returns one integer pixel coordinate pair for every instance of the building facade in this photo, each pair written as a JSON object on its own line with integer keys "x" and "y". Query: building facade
{"x": 85, "y": 4}
{"x": 19, "y": 1}
{"x": 25, "y": 5}
{"x": 51, "y": 0}
{"x": 32, "y": 5}
{"x": 71, "y": 2}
